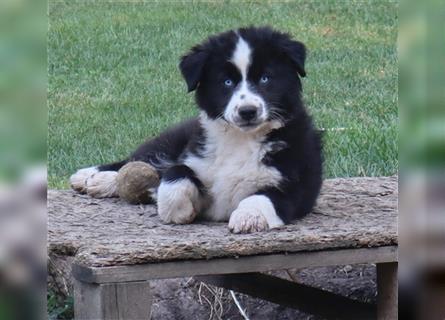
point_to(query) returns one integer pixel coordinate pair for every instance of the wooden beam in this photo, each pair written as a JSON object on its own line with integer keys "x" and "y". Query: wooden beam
{"x": 387, "y": 291}
{"x": 123, "y": 301}
{"x": 260, "y": 263}
{"x": 298, "y": 296}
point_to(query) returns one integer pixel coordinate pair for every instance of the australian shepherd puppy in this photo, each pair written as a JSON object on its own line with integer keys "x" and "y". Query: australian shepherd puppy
{"x": 252, "y": 156}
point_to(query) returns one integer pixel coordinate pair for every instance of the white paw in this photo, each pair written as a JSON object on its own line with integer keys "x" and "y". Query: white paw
{"x": 245, "y": 220}
{"x": 255, "y": 213}
{"x": 102, "y": 184}
{"x": 78, "y": 180}
{"x": 177, "y": 201}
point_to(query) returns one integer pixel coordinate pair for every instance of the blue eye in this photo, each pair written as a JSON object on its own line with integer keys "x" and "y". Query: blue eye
{"x": 228, "y": 83}
{"x": 264, "y": 79}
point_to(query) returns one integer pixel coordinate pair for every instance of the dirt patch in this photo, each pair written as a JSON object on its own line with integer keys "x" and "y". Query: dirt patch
{"x": 189, "y": 299}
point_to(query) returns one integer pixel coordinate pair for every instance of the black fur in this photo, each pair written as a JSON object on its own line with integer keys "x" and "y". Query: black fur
{"x": 300, "y": 163}
{"x": 179, "y": 172}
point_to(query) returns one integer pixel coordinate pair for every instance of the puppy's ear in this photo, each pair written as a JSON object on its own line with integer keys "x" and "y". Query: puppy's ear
{"x": 191, "y": 66}
{"x": 296, "y": 51}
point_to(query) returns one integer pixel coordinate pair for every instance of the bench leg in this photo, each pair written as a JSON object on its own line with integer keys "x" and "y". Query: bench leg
{"x": 387, "y": 289}
{"x": 125, "y": 300}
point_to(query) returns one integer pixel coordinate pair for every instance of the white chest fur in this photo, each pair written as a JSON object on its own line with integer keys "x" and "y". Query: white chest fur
{"x": 231, "y": 167}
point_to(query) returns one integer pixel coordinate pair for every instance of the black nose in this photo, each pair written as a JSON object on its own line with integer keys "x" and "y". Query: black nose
{"x": 247, "y": 113}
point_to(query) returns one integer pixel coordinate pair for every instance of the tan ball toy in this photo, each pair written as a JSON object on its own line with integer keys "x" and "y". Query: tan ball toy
{"x": 134, "y": 181}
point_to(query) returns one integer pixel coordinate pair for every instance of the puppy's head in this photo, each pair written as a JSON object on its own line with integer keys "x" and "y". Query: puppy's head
{"x": 246, "y": 77}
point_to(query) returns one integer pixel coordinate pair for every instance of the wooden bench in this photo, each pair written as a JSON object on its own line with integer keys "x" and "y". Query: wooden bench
{"x": 118, "y": 248}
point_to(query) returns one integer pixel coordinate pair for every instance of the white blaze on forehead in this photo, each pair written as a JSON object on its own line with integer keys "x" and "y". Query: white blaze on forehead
{"x": 243, "y": 95}
{"x": 241, "y": 57}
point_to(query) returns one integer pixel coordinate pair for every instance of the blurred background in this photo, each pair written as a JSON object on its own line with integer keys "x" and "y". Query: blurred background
{"x": 23, "y": 140}
{"x": 422, "y": 160}
{"x": 22, "y": 159}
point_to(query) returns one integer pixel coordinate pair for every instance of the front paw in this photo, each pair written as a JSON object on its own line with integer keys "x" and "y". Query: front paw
{"x": 175, "y": 202}
{"x": 177, "y": 211}
{"x": 247, "y": 220}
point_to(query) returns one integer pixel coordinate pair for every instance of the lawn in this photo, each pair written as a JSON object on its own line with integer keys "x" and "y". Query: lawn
{"x": 114, "y": 80}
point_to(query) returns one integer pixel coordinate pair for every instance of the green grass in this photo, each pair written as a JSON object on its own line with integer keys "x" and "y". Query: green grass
{"x": 114, "y": 80}
{"x": 59, "y": 308}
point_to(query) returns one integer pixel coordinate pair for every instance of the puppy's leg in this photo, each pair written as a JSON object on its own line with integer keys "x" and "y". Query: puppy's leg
{"x": 98, "y": 182}
{"x": 102, "y": 185}
{"x": 254, "y": 213}
{"x": 78, "y": 180}
{"x": 180, "y": 195}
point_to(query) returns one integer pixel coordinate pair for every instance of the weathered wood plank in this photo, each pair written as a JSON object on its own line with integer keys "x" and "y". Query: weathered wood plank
{"x": 387, "y": 291}
{"x": 234, "y": 265}
{"x": 351, "y": 213}
{"x": 123, "y": 301}
{"x": 298, "y": 296}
